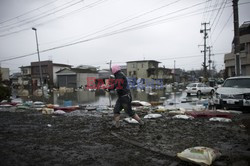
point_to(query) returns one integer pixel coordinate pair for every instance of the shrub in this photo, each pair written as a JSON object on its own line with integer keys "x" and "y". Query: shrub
{"x": 4, "y": 93}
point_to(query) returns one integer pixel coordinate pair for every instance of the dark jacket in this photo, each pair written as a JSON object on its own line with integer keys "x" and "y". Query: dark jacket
{"x": 121, "y": 84}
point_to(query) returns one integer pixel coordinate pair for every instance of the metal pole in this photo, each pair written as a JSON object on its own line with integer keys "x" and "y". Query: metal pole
{"x": 205, "y": 48}
{"x": 110, "y": 63}
{"x": 40, "y": 67}
{"x": 236, "y": 38}
{"x": 174, "y": 86}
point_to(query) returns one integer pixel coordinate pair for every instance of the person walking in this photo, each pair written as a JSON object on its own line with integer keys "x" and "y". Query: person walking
{"x": 124, "y": 97}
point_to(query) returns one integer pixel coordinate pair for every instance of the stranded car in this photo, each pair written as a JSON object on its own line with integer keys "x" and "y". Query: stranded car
{"x": 234, "y": 93}
{"x": 198, "y": 88}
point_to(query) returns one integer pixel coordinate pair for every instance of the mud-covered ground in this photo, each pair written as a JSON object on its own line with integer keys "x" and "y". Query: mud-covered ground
{"x": 83, "y": 138}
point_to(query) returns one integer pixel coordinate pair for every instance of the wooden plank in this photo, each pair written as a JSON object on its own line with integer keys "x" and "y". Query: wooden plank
{"x": 138, "y": 144}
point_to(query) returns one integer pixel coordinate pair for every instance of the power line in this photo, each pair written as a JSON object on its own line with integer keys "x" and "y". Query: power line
{"x": 74, "y": 43}
{"x": 72, "y": 12}
{"x": 23, "y": 14}
{"x": 127, "y": 20}
{"x": 218, "y": 17}
{"x": 40, "y": 16}
{"x": 66, "y": 45}
{"x": 218, "y": 11}
{"x": 223, "y": 28}
{"x": 216, "y": 3}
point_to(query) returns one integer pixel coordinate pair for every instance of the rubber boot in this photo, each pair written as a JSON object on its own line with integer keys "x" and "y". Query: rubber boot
{"x": 117, "y": 121}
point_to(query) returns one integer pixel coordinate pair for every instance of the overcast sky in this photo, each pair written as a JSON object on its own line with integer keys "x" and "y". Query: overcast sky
{"x": 93, "y": 32}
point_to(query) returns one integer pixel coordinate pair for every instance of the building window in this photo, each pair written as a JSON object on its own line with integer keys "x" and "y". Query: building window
{"x": 134, "y": 72}
{"x": 36, "y": 70}
{"x": 242, "y": 47}
{"x": 133, "y": 65}
{"x": 25, "y": 71}
{"x": 129, "y": 73}
{"x": 142, "y": 65}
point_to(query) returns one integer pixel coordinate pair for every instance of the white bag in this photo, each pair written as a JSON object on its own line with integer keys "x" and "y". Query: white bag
{"x": 199, "y": 155}
{"x": 131, "y": 120}
{"x": 215, "y": 119}
{"x": 59, "y": 112}
{"x": 152, "y": 116}
{"x": 47, "y": 111}
{"x": 178, "y": 112}
{"x": 182, "y": 117}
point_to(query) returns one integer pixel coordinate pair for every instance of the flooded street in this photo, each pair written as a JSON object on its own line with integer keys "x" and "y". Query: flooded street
{"x": 103, "y": 98}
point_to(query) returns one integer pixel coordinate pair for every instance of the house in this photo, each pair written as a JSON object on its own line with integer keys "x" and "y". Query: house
{"x": 229, "y": 59}
{"x": 75, "y": 77}
{"x": 142, "y": 69}
{"x": 161, "y": 73}
{"x": 4, "y": 74}
{"x": 16, "y": 79}
{"x": 49, "y": 70}
{"x": 104, "y": 74}
{"x": 26, "y": 76}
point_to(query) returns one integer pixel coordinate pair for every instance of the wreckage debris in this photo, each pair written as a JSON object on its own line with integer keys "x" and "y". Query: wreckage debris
{"x": 208, "y": 114}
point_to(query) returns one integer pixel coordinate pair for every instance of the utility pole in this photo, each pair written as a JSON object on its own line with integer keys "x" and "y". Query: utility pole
{"x": 40, "y": 66}
{"x": 110, "y": 63}
{"x": 209, "y": 59}
{"x": 174, "y": 72}
{"x": 236, "y": 38}
{"x": 204, "y": 31}
{"x": 213, "y": 66}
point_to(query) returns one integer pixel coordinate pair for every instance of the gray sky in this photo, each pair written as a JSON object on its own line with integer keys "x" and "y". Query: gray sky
{"x": 117, "y": 30}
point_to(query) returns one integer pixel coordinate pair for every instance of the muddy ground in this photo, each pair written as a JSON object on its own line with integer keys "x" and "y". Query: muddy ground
{"x": 30, "y": 138}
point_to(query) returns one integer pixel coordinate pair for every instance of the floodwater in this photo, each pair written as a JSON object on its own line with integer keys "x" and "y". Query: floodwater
{"x": 102, "y": 98}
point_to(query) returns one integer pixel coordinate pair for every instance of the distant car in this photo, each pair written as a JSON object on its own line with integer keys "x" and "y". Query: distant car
{"x": 234, "y": 93}
{"x": 198, "y": 89}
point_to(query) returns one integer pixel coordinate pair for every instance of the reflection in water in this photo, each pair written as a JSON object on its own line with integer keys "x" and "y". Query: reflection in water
{"x": 101, "y": 97}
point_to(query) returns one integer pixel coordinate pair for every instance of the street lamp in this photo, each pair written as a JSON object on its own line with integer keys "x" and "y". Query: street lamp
{"x": 40, "y": 67}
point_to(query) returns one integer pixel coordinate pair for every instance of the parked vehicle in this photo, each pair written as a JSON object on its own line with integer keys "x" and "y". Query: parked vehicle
{"x": 198, "y": 89}
{"x": 234, "y": 93}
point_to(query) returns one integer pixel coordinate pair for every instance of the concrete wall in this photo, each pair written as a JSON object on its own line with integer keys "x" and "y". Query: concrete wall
{"x": 55, "y": 69}
{"x": 5, "y": 73}
{"x": 139, "y": 69}
{"x": 81, "y": 78}
{"x": 229, "y": 59}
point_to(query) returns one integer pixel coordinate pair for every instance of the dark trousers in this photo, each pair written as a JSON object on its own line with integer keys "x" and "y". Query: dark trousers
{"x": 124, "y": 102}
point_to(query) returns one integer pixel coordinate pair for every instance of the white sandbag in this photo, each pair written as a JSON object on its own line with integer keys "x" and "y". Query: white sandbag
{"x": 162, "y": 98}
{"x": 5, "y": 106}
{"x": 152, "y": 116}
{"x": 140, "y": 103}
{"x": 160, "y": 109}
{"x": 182, "y": 117}
{"x": 131, "y": 120}
{"x": 182, "y": 109}
{"x": 177, "y": 112}
{"x": 217, "y": 119}
{"x": 59, "y": 112}
{"x": 199, "y": 155}
{"x": 229, "y": 111}
{"x": 47, "y": 111}
{"x": 38, "y": 104}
